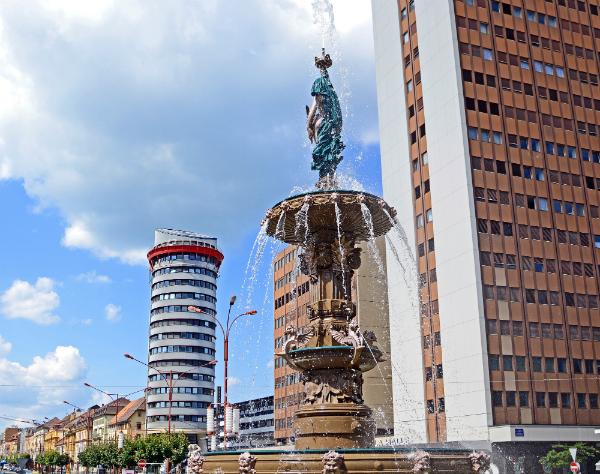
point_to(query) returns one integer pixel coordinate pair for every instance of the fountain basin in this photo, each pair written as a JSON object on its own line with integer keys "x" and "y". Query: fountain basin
{"x": 332, "y": 357}
{"x": 360, "y": 460}
{"x": 286, "y": 220}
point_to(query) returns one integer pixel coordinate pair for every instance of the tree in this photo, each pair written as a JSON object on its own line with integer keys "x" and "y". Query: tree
{"x": 559, "y": 456}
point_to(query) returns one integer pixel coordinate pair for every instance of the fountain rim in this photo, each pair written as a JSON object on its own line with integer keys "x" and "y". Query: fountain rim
{"x": 328, "y": 192}
{"x": 380, "y": 449}
{"x": 304, "y": 349}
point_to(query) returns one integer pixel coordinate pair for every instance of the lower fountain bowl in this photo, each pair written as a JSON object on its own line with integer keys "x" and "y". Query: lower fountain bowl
{"x": 332, "y": 357}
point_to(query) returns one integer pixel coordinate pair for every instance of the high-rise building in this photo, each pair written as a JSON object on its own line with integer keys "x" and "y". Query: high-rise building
{"x": 291, "y": 295}
{"x": 184, "y": 267}
{"x": 488, "y": 115}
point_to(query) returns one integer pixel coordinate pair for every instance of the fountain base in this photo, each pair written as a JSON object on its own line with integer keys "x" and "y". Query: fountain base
{"x": 317, "y": 461}
{"x": 340, "y": 425}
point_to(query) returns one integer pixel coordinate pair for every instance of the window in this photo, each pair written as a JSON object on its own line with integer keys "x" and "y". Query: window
{"x": 536, "y": 364}
{"x": 553, "y": 399}
{"x": 429, "y": 215}
{"x": 511, "y": 399}
{"x": 497, "y": 398}
{"x": 409, "y": 85}
{"x": 565, "y": 400}
{"x": 549, "y": 364}
{"x": 540, "y": 399}
{"x": 487, "y": 54}
{"x": 494, "y": 362}
{"x": 484, "y": 28}
{"x": 524, "y": 399}
{"x": 507, "y": 363}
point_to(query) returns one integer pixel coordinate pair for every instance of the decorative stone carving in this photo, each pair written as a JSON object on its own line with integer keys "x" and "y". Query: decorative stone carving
{"x": 247, "y": 463}
{"x": 422, "y": 461}
{"x": 480, "y": 461}
{"x": 333, "y": 463}
{"x": 195, "y": 460}
{"x": 325, "y": 386}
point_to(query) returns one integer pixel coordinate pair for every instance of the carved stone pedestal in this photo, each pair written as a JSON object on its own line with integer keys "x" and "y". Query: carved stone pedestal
{"x": 340, "y": 425}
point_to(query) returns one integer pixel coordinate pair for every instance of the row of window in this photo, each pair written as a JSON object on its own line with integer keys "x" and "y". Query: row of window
{"x": 174, "y": 404}
{"x": 533, "y": 296}
{"x": 441, "y": 405}
{"x": 484, "y": 135}
{"x": 289, "y": 379}
{"x": 182, "y": 335}
{"x": 180, "y": 363}
{"x": 184, "y": 296}
{"x": 287, "y": 258}
{"x": 287, "y": 278}
{"x": 256, "y": 424}
{"x": 291, "y": 295}
{"x": 185, "y": 376}
{"x": 178, "y": 282}
{"x": 543, "y": 399}
{"x": 544, "y": 330}
{"x": 563, "y": 237}
{"x": 482, "y": 106}
{"x": 180, "y": 309}
{"x": 183, "y": 322}
{"x": 176, "y": 418}
{"x": 539, "y": 265}
{"x": 196, "y": 270}
{"x": 181, "y": 390}
{"x": 437, "y": 369}
{"x": 184, "y": 256}
{"x": 187, "y": 349}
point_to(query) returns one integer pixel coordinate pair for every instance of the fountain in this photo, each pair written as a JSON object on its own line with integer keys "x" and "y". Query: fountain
{"x": 334, "y": 429}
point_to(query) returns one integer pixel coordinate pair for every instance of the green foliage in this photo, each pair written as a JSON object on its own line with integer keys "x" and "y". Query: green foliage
{"x": 53, "y": 458}
{"x": 154, "y": 449}
{"x": 559, "y": 456}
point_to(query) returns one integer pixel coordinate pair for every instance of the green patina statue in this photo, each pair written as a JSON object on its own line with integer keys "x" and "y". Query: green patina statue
{"x": 325, "y": 123}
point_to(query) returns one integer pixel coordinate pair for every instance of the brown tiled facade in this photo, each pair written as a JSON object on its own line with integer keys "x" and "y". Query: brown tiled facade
{"x": 291, "y": 295}
{"x": 530, "y": 73}
{"x": 425, "y": 242}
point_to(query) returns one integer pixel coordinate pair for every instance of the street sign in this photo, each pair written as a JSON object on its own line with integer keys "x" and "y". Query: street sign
{"x": 574, "y": 467}
{"x": 519, "y": 432}
{"x": 142, "y": 463}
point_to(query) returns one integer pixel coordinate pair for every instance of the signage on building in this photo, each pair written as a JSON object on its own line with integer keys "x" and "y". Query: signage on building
{"x": 574, "y": 467}
{"x": 519, "y": 432}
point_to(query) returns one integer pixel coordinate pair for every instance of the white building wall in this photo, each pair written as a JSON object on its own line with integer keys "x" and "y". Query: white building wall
{"x": 405, "y": 332}
{"x": 464, "y": 349}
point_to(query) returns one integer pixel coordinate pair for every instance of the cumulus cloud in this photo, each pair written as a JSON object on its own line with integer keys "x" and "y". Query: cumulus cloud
{"x": 93, "y": 277}
{"x": 142, "y": 113}
{"x": 112, "y": 312}
{"x": 5, "y": 346}
{"x": 64, "y": 365}
{"x": 233, "y": 381}
{"x": 33, "y": 302}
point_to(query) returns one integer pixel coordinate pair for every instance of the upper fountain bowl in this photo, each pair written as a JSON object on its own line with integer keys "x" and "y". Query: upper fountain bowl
{"x": 359, "y": 215}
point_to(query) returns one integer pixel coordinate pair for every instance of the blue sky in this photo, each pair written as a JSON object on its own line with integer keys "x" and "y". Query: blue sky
{"x": 121, "y": 117}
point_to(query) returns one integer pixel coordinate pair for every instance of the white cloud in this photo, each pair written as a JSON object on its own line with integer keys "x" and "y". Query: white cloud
{"x": 139, "y": 114}
{"x": 112, "y": 312}
{"x": 5, "y": 346}
{"x": 93, "y": 277}
{"x": 41, "y": 385}
{"x": 33, "y": 302}
{"x": 87, "y": 322}
{"x": 271, "y": 364}
{"x": 233, "y": 381}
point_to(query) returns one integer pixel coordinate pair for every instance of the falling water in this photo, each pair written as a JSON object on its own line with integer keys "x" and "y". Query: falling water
{"x": 368, "y": 218}
{"x": 254, "y": 262}
{"x": 338, "y": 219}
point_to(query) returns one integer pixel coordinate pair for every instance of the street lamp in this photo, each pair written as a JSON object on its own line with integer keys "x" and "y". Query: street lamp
{"x": 113, "y": 396}
{"x": 225, "y": 330}
{"x": 169, "y": 379}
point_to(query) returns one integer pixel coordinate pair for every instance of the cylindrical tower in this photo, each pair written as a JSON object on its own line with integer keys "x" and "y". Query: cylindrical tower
{"x": 183, "y": 268}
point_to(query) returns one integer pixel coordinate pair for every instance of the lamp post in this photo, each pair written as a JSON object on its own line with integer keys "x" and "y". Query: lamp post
{"x": 225, "y": 330}
{"x": 168, "y": 377}
{"x": 169, "y": 380}
{"x": 113, "y": 396}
